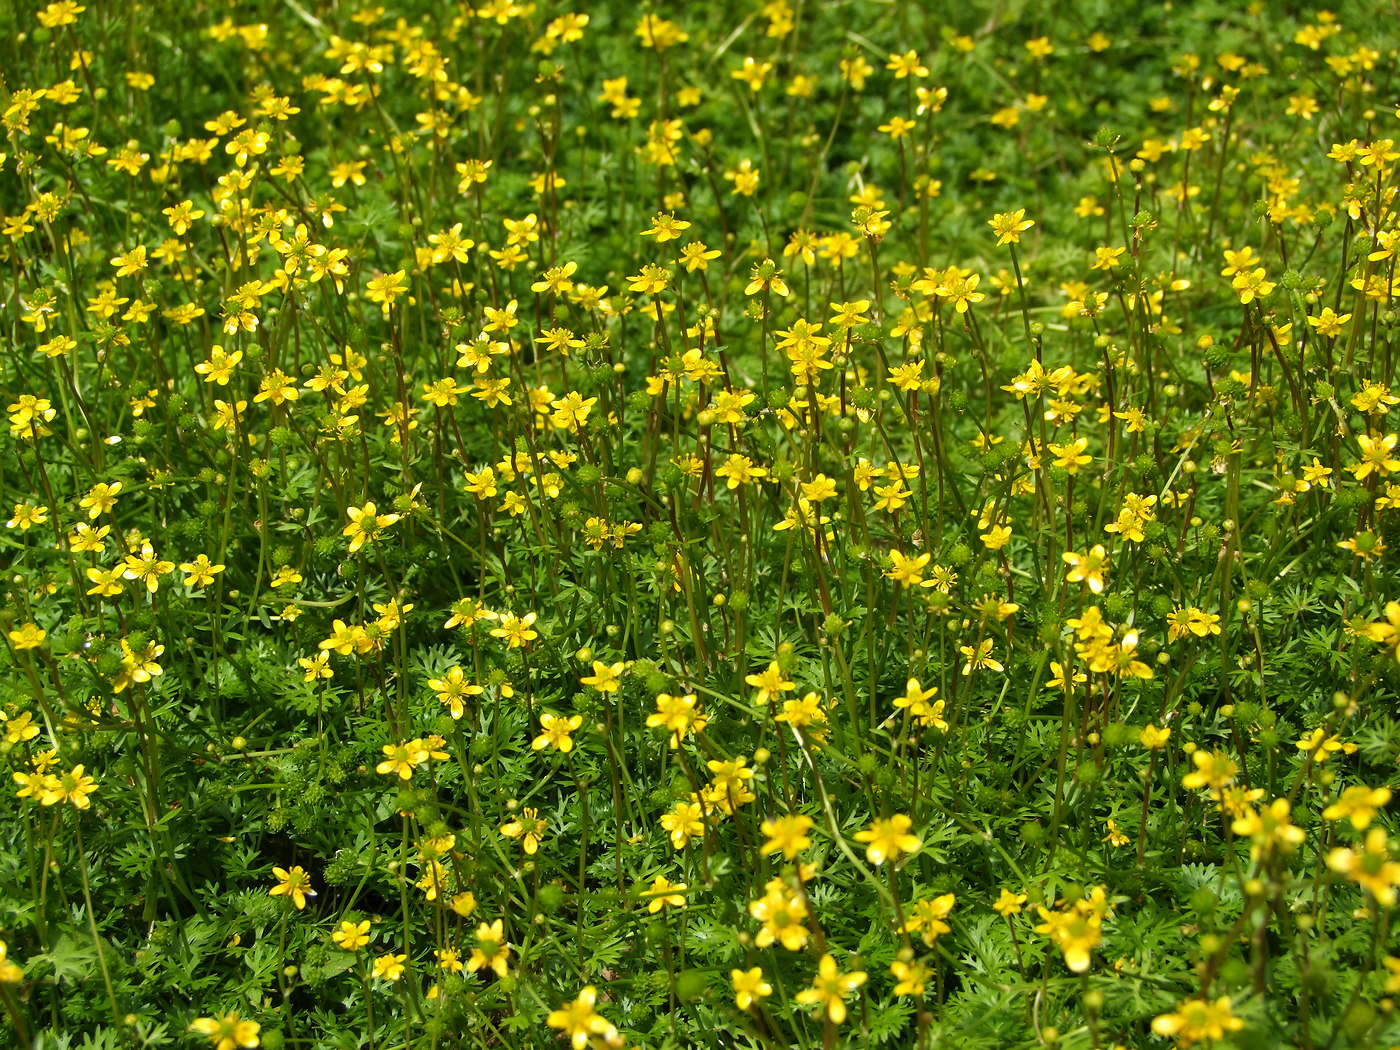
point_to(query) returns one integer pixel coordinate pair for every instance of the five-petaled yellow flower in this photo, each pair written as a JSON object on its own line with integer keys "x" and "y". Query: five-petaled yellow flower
{"x": 664, "y": 893}
{"x": 389, "y": 967}
{"x": 294, "y": 884}
{"x": 27, "y": 636}
{"x": 830, "y": 988}
{"x": 227, "y": 1031}
{"x": 366, "y": 523}
{"x": 386, "y": 289}
{"x": 606, "y": 678}
{"x": 749, "y": 987}
{"x": 1198, "y": 1021}
{"x": 491, "y": 951}
{"x": 770, "y": 683}
{"x": 1008, "y": 226}
{"x": 787, "y": 835}
{"x": 529, "y": 827}
{"x": 888, "y": 838}
{"x": 555, "y": 732}
{"x": 581, "y": 1022}
{"x": 1088, "y": 567}
{"x": 352, "y": 936}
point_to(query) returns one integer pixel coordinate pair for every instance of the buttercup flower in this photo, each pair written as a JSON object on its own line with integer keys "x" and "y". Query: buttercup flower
{"x": 295, "y": 884}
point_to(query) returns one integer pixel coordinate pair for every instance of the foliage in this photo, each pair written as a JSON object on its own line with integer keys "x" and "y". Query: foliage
{"x": 734, "y": 526}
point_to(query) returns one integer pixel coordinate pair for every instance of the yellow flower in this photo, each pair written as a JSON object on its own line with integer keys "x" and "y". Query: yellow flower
{"x": 1371, "y": 867}
{"x": 1071, "y": 456}
{"x": 1214, "y": 769}
{"x": 781, "y": 911}
{"x": 20, "y": 728}
{"x": 911, "y": 977}
{"x": 131, "y": 262}
{"x": 1114, "y": 836}
{"x": 787, "y": 835}
{"x": 10, "y": 972}
{"x": 101, "y": 498}
{"x": 771, "y": 684}
{"x": 27, "y": 636}
{"x": 226, "y": 1031}
{"x": 1064, "y": 676}
{"x": 651, "y": 280}
{"x": 1319, "y": 746}
{"x": 366, "y": 524}
{"x": 105, "y": 581}
{"x": 402, "y": 759}
{"x": 87, "y": 540}
{"x": 1251, "y": 284}
{"x": 979, "y": 657}
{"x": 766, "y": 275}
{"x": 888, "y": 838}
{"x": 663, "y": 892}
{"x": 606, "y": 678}
{"x": 1328, "y": 322}
{"x": 905, "y": 65}
{"x": 891, "y": 497}
{"x": 855, "y": 70}
{"x": 1008, "y": 903}
{"x": 908, "y": 571}
{"x": 997, "y": 537}
{"x": 277, "y": 387}
{"x": 752, "y": 72}
{"x": 808, "y": 713}
{"x": 739, "y": 470}
{"x": 578, "y": 1019}
{"x": 27, "y": 515}
{"x": 745, "y": 178}
{"x": 555, "y": 730}
{"x": 679, "y": 714}
{"x": 31, "y": 785}
{"x": 1154, "y": 739}
{"x": 1106, "y": 258}
{"x": 453, "y": 689}
{"x": 926, "y": 916}
{"x": 830, "y": 989}
{"x": 684, "y": 823}
{"x": 146, "y": 567}
{"x": 728, "y": 789}
{"x": 200, "y": 572}
{"x": 1357, "y": 804}
{"x": 1087, "y": 568}
{"x": 529, "y": 827}
{"x": 915, "y": 701}
{"x": 1008, "y": 226}
{"x": 65, "y": 13}
{"x": 1076, "y": 931}
{"x": 389, "y": 967}
{"x": 749, "y": 987}
{"x": 72, "y": 786}
{"x": 697, "y": 255}
{"x": 386, "y": 289}
{"x": 1198, "y": 1021}
{"x": 848, "y": 315}
{"x": 491, "y": 951}
{"x": 1270, "y": 829}
{"x": 556, "y": 280}
{"x": 295, "y": 884}
{"x": 516, "y": 630}
{"x": 352, "y": 936}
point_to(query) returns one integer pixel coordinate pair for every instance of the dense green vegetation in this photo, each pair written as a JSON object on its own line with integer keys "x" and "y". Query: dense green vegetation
{"x": 785, "y": 525}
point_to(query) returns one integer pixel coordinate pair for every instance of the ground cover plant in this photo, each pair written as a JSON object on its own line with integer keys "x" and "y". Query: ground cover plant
{"x": 726, "y": 525}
